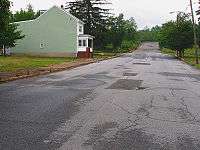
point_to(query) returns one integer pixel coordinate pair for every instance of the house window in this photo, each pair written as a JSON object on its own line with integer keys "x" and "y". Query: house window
{"x": 81, "y": 29}
{"x": 79, "y": 42}
{"x": 41, "y": 45}
{"x": 84, "y": 42}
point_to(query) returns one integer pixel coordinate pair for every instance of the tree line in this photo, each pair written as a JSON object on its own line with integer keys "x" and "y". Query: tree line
{"x": 112, "y": 33}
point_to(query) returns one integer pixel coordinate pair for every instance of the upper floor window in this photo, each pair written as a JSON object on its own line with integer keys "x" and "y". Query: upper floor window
{"x": 80, "y": 28}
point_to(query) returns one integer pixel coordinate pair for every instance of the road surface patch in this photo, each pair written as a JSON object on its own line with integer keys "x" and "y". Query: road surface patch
{"x": 98, "y": 76}
{"x": 179, "y": 75}
{"x": 126, "y": 84}
{"x": 80, "y": 83}
{"x": 130, "y": 74}
{"x": 147, "y": 64}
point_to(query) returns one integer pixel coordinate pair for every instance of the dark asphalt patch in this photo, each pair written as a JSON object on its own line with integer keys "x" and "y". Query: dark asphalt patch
{"x": 97, "y": 76}
{"x": 141, "y": 88}
{"x": 130, "y": 74}
{"x": 126, "y": 68}
{"x": 28, "y": 117}
{"x": 131, "y": 138}
{"x": 97, "y": 132}
{"x": 103, "y": 73}
{"x": 123, "y": 139}
{"x": 146, "y": 64}
{"x": 177, "y": 80}
{"x": 126, "y": 84}
{"x": 79, "y": 83}
{"x": 172, "y": 74}
{"x": 116, "y": 68}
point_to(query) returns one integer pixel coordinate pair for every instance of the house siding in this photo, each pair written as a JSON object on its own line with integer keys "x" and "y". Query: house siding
{"x": 52, "y": 33}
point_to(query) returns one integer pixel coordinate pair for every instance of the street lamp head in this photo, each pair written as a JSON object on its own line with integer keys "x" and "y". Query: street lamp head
{"x": 172, "y": 12}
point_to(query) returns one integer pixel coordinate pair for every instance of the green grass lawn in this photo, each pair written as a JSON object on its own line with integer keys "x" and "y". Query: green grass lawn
{"x": 13, "y": 63}
{"x": 189, "y": 56}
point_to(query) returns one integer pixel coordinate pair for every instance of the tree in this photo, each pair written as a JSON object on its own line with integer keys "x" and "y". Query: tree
{"x": 4, "y": 14}
{"x": 24, "y": 15}
{"x": 177, "y": 35}
{"x": 150, "y": 35}
{"x": 93, "y": 15}
{"x": 121, "y": 30}
{"x": 9, "y": 36}
{"x": 8, "y": 32}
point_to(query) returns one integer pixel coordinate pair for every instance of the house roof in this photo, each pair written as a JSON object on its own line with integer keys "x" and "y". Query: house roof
{"x": 64, "y": 11}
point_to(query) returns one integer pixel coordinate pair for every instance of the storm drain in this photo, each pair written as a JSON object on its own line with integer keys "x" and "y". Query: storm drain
{"x": 142, "y": 64}
{"x": 129, "y": 74}
{"x": 126, "y": 84}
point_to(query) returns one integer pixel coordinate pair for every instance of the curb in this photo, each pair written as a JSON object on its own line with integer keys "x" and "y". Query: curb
{"x": 28, "y": 73}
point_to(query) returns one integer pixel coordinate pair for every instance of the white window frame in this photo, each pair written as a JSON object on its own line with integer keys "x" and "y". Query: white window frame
{"x": 82, "y": 42}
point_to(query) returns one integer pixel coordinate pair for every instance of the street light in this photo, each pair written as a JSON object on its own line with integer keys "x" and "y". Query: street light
{"x": 177, "y": 16}
{"x": 195, "y": 33}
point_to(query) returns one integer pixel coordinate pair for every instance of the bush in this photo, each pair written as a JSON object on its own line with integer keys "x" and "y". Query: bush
{"x": 128, "y": 46}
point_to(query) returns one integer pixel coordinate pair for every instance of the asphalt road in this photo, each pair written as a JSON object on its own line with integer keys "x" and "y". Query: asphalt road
{"x": 141, "y": 101}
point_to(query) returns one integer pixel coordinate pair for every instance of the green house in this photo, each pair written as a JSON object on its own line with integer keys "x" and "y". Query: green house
{"x": 54, "y": 33}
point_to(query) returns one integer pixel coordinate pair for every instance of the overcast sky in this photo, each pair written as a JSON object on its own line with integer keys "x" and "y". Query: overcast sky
{"x": 146, "y": 12}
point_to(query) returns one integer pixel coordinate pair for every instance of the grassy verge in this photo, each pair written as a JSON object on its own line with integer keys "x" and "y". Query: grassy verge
{"x": 188, "y": 58}
{"x": 13, "y": 63}
{"x": 168, "y": 51}
{"x": 104, "y": 55}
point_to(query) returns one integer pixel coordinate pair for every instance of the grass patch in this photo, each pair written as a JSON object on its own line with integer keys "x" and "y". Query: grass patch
{"x": 188, "y": 58}
{"x": 168, "y": 51}
{"x": 13, "y": 63}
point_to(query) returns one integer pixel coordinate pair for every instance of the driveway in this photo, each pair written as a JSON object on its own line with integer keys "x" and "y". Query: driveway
{"x": 141, "y": 101}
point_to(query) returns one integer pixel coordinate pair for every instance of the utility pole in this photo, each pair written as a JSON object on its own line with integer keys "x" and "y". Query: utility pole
{"x": 195, "y": 33}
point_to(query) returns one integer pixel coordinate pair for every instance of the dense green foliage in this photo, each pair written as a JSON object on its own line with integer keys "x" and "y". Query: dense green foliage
{"x": 177, "y": 35}
{"x": 9, "y": 36}
{"x": 150, "y": 35}
{"x": 4, "y": 14}
{"x": 8, "y": 31}
{"x": 24, "y": 15}
{"x": 121, "y": 30}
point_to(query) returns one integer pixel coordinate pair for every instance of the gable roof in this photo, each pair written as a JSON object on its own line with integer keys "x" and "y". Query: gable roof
{"x": 60, "y": 9}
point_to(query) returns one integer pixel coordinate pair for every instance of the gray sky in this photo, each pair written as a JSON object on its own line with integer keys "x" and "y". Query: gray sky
{"x": 146, "y": 12}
